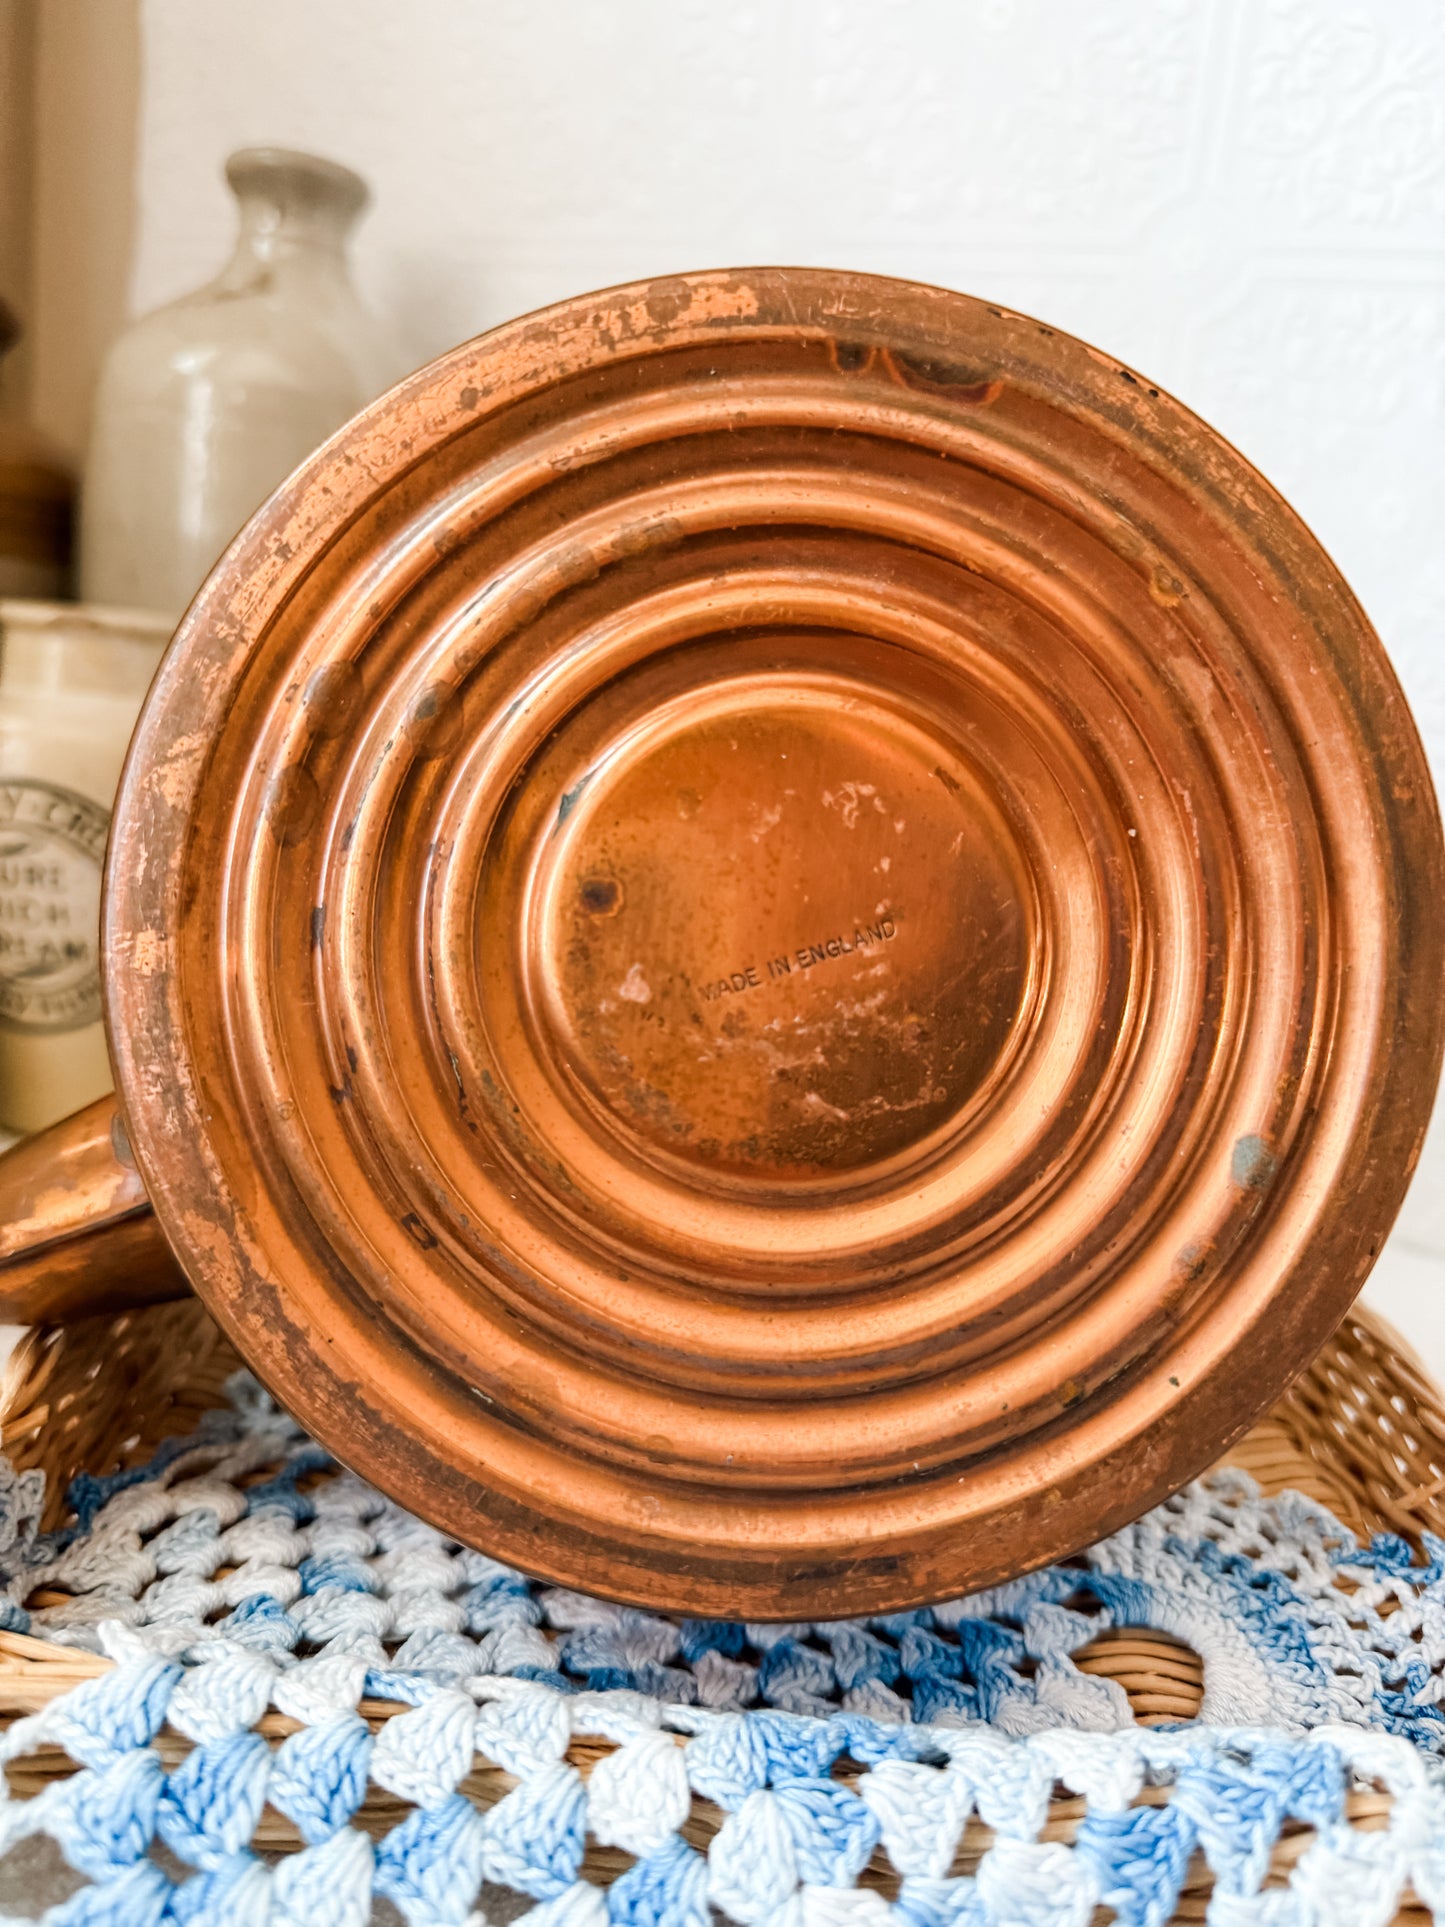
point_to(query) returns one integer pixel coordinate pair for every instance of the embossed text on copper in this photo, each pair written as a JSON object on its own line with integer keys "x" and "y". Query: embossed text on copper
{"x": 774, "y": 944}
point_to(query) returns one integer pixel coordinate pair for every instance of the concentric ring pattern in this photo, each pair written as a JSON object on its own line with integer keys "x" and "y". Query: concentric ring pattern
{"x": 774, "y": 943}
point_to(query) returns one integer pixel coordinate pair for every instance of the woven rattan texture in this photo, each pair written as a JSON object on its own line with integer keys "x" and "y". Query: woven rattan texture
{"x": 304, "y": 1667}
{"x": 1362, "y": 1431}
{"x": 102, "y": 1393}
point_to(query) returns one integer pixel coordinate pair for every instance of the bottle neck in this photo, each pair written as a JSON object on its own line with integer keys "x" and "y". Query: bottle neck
{"x": 299, "y": 241}
{"x": 296, "y": 215}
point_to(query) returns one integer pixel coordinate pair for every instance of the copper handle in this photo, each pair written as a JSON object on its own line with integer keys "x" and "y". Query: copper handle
{"x": 77, "y": 1233}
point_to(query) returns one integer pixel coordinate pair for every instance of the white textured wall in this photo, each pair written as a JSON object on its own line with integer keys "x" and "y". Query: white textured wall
{"x": 1243, "y": 198}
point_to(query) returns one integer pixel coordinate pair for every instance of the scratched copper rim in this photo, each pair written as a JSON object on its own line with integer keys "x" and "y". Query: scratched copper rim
{"x": 774, "y": 944}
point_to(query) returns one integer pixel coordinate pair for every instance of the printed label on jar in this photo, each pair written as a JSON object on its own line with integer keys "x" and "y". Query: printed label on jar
{"x": 52, "y": 846}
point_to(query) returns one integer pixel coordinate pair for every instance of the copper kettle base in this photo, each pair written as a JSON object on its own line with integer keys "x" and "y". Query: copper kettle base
{"x": 772, "y": 942}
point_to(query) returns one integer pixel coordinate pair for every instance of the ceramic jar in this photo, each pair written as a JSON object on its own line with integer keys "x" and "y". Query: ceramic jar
{"x": 207, "y": 404}
{"x": 72, "y": 679}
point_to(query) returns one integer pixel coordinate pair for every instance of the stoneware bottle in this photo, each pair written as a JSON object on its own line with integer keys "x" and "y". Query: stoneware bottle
{"x": 71, "y": 681}
{"x": 205, "y": 405}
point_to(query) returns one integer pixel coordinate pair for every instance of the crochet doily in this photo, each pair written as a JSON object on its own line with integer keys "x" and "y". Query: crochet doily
{"x": 239, "y": 1572}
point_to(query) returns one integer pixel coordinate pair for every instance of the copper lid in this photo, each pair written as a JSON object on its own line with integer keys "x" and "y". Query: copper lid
{"x": 774, "y": 943}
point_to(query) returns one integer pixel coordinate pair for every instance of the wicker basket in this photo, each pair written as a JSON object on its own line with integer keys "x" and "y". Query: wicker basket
{"x": 1363, "y": 1432}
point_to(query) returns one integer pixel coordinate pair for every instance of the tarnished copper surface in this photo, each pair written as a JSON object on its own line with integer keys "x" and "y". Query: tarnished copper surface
{"x": 77, "y": 1234}
{"x": 774, "y": 944}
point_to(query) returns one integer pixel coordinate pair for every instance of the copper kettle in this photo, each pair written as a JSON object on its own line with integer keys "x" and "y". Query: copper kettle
{"x": 772, "y": 944}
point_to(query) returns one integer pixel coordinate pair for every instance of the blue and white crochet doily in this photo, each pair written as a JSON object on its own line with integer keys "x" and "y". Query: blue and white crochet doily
{"x": 227, "y": 1578}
